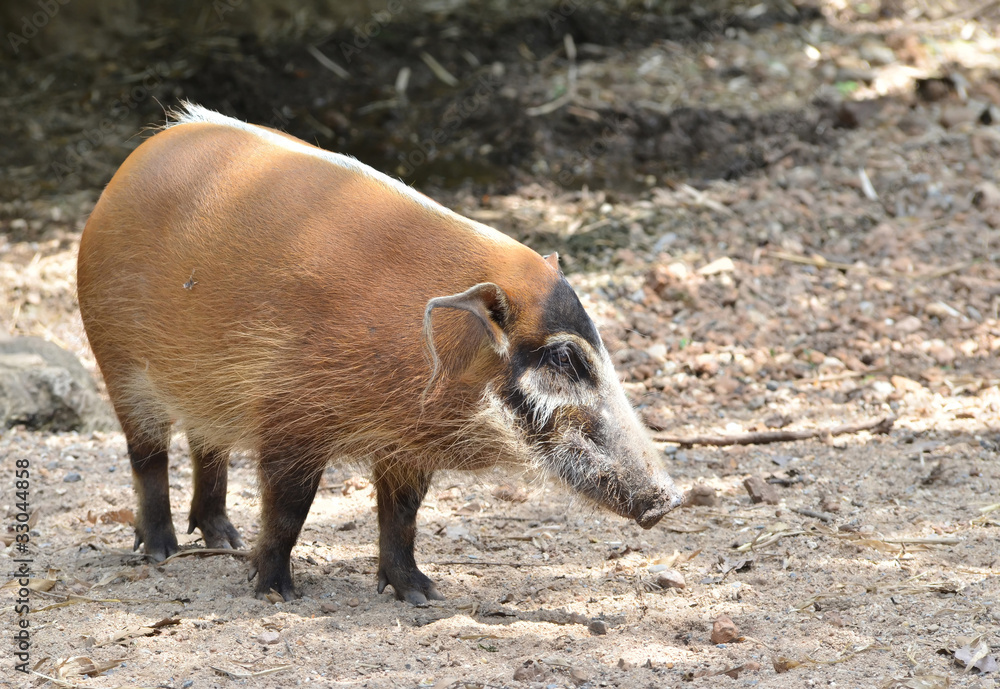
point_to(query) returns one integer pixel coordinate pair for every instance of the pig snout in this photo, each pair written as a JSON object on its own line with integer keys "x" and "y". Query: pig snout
{"x": 650, "y": 511}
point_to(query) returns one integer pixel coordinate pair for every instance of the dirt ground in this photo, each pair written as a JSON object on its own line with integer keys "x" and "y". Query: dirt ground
{"x": 781, "y": 219}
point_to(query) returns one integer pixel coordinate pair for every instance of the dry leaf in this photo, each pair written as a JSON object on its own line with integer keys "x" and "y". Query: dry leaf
{"x": 782, "y": 664}
{"x": 122, "y": 516}
{"x": 977, "y": 658}
{"x": 82, "y": 665}
{"x": 918, "y": 682}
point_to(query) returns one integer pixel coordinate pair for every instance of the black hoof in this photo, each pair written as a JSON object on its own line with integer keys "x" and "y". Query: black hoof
{"x": 414, "y": 587}
{"x": 217, "y": 531}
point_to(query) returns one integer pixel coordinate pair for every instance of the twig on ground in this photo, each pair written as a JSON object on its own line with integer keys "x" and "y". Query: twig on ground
{"x": 236, "y": 674}
{"x": 822, "y": 516}
{"x": 883, "y": 425}
{"x": 570, "y": 95}
{"x": 846, "y": 375}
{"x": 88, "y": 599}
{"x": 205, "y": 552}
{"x": 814, "y": 260}
{"x": 947, "y": 270}
{"x": 491, "y": 563}
{"x": 443, "y": 75}
{"x": 327, "y": 62}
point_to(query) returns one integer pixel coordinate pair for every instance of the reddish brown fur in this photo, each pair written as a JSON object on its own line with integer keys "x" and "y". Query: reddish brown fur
{"x": 273, "y": 301}
{"x": 313, "y": 274}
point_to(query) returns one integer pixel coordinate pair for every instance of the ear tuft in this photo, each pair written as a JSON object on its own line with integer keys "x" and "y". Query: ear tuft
{"x": 553, "y": 260}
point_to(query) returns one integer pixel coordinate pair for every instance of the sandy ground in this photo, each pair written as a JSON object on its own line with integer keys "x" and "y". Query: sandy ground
{"x": 848, "y": 273}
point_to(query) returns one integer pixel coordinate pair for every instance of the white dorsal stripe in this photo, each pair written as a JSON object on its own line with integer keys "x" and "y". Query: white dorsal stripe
{"x": 192, "y": 113}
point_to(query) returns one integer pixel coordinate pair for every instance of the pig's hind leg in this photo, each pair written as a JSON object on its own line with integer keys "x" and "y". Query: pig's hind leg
{"x": 400, "y": 493}
{"x": 147, "y": 451}
{"x": 208, "y": 506}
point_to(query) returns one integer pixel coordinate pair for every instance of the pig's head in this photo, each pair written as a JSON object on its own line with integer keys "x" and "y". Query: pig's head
{"x": 558, "y": 392}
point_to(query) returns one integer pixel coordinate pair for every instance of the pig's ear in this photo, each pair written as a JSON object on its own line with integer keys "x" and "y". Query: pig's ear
{"x": 491, "y": 307}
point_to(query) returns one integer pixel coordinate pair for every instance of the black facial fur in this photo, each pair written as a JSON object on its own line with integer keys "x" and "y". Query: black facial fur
{"x": 565, "y": 314}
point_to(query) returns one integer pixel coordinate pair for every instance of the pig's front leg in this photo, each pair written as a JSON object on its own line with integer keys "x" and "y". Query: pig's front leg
{"x": 399, "y": 492}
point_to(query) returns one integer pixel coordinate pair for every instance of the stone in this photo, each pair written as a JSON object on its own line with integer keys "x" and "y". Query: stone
{"x": 598, "y": 627}
{"x": 724, "y": 630}
{"x": 44, "y": 387}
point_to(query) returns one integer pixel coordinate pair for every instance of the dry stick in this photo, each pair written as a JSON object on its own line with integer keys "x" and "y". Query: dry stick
{"x": 205, "y": 552}
{"x": 570, "y": 94}
{"x": 847, "y": 375}
{"x": 947, "y": 270}
{"x": 443, "y": 75}
{"x": 236, "y": 674}
{"x": 327, "y": 62}
{"x": 764, "y": 437}
{"x": 88, "y": 599}
{"x": 489, "y": 563}
{"x": 822, "y": 516}
{"x": 816, "y": 260}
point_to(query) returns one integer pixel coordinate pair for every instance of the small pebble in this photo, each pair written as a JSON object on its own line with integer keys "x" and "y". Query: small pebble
{"x": 269, "y": 637}
{"x": 353, "y": 602}
{"x": 724, "y": 630}
{"x": 72, "y": 477}
{"x": 598, "y": 627}
{"x": 670, "y": 579}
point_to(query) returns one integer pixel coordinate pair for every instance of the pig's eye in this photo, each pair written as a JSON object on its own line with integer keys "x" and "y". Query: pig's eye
{"x": 564, "y": 359}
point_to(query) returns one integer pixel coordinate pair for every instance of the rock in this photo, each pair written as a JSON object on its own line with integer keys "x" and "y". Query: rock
{"x": 834, "y": 618}
{"x": 72, "y": 477}
{"x": 943, "y": 354}
{"x": 269, "y": 637}
{"x": 720, "y": 265}
{"x": 935, "y": 89}
{"x": 670, "y": 579}
{"x": 706, "y": 365}
{"x": 353, "y": 602}
{"x": 598, "y": 627}
{"x": 876, "y": 53}
{"x": 44, "y": 387}
{"x": 329, "y": 607}
{"x": 987, "y": 195}
{"x": 852, "y": 114}
{"x": 939, "y": 309}
{"x": 625, "y": 664}
{"x": 829, "y": 504}
{"x": 528, "y": 672}
{"x": 703, "y": 495}
{"x": 882, "y": 388}
{"x": 724, "y": 630}
{"x": 908, "y": 325}
{"x": 904, "y": 385}
{"x": 760, "y": 491}
{"x": 957, "y": 115}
